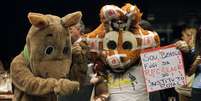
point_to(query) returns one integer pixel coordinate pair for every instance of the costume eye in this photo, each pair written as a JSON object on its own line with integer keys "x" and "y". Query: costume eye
{"x": 111, "y": 45}
{"x": 65, "y": 50}
{"x": 49, "y": 50}
{"x": 127, "y": 45}
{"x": 129, "y": 41}
{"x": 110, "y": 40}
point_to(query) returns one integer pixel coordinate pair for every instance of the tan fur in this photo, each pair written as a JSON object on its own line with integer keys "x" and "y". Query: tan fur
{"x": 42, "y": 75}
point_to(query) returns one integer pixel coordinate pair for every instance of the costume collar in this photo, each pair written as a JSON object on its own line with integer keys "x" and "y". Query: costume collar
{"x": 26, "y": 53}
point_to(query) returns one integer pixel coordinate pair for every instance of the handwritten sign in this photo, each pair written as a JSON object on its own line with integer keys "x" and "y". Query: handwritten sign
{"x": 163, "y": 68}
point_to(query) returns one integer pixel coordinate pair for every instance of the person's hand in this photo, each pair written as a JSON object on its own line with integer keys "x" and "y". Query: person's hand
{"x": 194, "y": 66}
{"x": 76, "y": 49}
{"x": 102, "y": 97}
{"x": 183, "y": 46}
{"x": 94, "y": 79}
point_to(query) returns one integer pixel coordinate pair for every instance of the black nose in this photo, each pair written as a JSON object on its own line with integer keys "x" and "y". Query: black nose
{"x": 119, "y": 22}
{"x": 119, "y": 70}
{"x": 121, "y": 59}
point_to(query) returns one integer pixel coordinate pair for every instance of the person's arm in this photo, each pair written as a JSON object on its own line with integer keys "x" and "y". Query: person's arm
{"x": 101, "y": 89}
{"x": 194, "y": 65}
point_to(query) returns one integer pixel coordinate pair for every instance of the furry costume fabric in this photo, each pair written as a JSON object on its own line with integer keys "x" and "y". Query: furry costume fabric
{"x": 39, "y": 72}
{"x": 120, "y": 40}
{"x": 79, "y": 67}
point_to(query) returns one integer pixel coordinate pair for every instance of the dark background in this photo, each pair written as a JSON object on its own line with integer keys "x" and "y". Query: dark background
{"x": 163, "y": 14}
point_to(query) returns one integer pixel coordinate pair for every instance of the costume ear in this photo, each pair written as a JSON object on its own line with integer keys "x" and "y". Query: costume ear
{"x": 72, "y": 19}
{"x": 38, "y": 20}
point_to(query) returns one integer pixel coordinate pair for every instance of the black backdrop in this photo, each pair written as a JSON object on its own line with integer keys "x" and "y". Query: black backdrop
{"x": 15, "y": 25}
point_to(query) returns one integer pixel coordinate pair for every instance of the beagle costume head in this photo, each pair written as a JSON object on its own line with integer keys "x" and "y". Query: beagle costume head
{"x": 120, "y": 38}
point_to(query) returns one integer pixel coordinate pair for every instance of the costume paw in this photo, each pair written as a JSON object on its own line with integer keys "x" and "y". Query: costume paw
{"x": 66, "y": 87}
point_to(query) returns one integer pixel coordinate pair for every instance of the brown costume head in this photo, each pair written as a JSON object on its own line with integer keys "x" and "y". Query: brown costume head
{"x": 48, "y": 44}
{"x": 122, "y": 39}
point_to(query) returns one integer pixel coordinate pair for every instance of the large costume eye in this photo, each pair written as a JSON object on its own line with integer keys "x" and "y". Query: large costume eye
{"x": 110, "y": 40}
{"x": 49, "y": 50}
{"x": 127, "y": 45}
{"x": 111, "y": 45}
{"x": 65, "y": 50}
{"x": 129, "y": 41}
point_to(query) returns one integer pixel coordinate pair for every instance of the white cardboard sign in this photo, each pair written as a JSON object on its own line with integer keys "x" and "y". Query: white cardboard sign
{"x": 163, "y": 68}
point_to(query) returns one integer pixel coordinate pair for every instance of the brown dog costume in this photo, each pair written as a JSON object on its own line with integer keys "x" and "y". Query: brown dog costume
{"x": 39, "y": 71}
